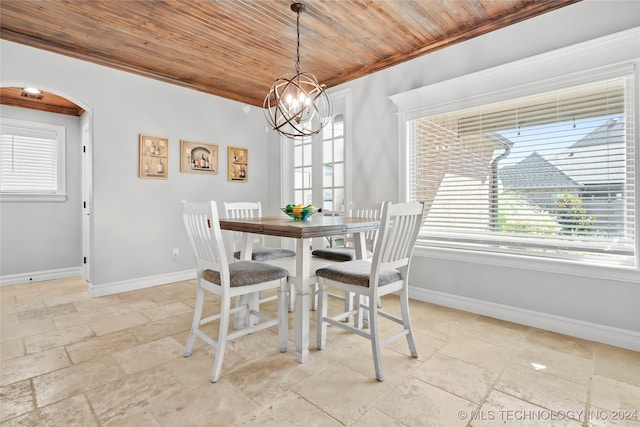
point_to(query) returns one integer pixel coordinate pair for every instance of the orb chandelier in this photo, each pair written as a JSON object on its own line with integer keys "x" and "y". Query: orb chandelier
{"x": 297, "y": 105}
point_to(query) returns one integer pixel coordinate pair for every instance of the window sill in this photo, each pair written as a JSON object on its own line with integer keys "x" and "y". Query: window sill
{"x": 60, "y": 197}
{"x": 574, "y": 268}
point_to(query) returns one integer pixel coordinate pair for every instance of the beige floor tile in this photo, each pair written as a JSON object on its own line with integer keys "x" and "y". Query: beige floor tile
{"x": 502, "y": 409}
{"x": 573, "y": 368}
{"x": 416, "y": 403}
{"x": 268, "y": 378}
{"x": 152, "y": 331}
{"x": 16, "y": 399}
{"x": 65, "y": 298}
{"x": 131, "y": 393}
{"x": 558, "y": 342}
{"x": 117, "y": 323}
{"x": 613, "y": 395}
{"x": 133, "y": 418}
{"x": 617, "y": 363}
{"x": 290, "y": 410}
{"x": 75, "y": 379}
{"x": 209, "y": 405}
{"x": 10, "y": 349}
{"x": 20, "y": 329}
{"x": 74, "y": 411}
{"x": 48, "y": 311}
{"x": 32, "y": 365}
{"x": 543, "y": 389}
{"x": 147, "y": 355}
{"x": 458, "y": 377}
{"x": 477, "y": 352}
{"x": 395, "y": 366}
{"x": 57, "y": 338}
{"x": 13, "y": 307}
{"x": 357, "y": 392}
{"x": 375, "y": 418}
{"x": 498, "y": 332}
{"x": 167, "y": 310}
{"x": 94, "y": 347}
{"x": 468, "y": 367}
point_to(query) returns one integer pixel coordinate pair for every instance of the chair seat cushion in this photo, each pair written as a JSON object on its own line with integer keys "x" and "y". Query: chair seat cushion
{"x": 267, "y": 254}
{"x": 337, "y": 254}
{"x": 357, "y": 273}
{"x": 244, "y": 273}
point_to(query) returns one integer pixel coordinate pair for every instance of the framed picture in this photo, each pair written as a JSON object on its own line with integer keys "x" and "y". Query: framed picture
{"x": 238, "y": 159}
{"x": 154, "y": 157}
{"x": 197, "y": 157}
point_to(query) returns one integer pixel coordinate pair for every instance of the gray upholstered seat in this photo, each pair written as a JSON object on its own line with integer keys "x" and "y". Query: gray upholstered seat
{"x": 338, "y": 254}
{"x": 244, "y": 273}
{"x": 267, "y": 254}
{"x": 357, "y": 273}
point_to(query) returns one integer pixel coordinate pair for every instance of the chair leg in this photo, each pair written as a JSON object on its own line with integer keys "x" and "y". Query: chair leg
{"x": 406, "y": 321}
{"x": 195, "y": 324}
{"x": 358, "y": 318}
{"x": 348, "y": 304}
{"x": 375, "y": 342}
{"x": 253, "y": 303}
{"x": 321, "y": 325}
{"x": 283, "y": 315}
{"x": 225, "y": 309}
{"x": 314, "y": 296}
{"x": 292, "y": 297}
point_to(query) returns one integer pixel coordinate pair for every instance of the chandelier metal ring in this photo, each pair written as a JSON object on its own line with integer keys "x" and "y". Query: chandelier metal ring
{"x": 297, "y": 105}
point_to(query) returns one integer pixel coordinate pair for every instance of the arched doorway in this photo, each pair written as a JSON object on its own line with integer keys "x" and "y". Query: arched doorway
{"x": 48, "y": 100}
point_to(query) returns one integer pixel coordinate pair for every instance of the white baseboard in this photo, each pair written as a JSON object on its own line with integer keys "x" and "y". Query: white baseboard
{"x": 40, "y": 276}
{"x": 577, "y": 328}
{"x": 140, "y": 283}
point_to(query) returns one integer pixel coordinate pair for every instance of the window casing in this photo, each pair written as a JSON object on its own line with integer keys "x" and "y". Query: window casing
{"x": 32, "y": 161}
{"x": 550, "y": 174}
{"x": 599, "y": 60}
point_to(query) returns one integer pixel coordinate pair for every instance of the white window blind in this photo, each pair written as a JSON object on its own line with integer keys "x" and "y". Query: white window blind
{"x": 31, "y": 158}
{"x": 550, "y": 174}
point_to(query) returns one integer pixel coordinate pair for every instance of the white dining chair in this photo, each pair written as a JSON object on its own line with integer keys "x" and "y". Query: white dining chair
{"x": 386, "y": 272}
{"x": 243, "y": 210}
{"x": 227, "y": 280}
{"x": 362, "y": 209}
{"x": 347, "y": 252}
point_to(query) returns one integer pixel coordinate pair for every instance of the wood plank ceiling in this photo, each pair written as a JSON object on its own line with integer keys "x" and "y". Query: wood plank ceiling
{"x": 237, "y": 48}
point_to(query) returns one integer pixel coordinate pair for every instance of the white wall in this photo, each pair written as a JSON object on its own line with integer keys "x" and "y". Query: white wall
{"x": 600, "y": 308}
{"x": 137, "y": 222}
{"x": 44, "y": 236}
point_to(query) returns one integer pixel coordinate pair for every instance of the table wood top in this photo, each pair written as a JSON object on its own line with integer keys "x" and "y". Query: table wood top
{"x": 316, "y": 226}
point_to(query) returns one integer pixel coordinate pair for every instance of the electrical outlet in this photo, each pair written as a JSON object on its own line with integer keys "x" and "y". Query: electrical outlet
{"x": 176, "y": 254}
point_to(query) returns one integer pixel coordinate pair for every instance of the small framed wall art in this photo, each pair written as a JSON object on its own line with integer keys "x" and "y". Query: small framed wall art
{"x": 238, "y": 160}
{"x": 197, "y": 157}
{"x": 154, "y": 157}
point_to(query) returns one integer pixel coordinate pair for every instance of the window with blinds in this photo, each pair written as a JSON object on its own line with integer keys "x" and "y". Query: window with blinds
{"x": 31, "y": 159}
{"x": 551, "y": 174}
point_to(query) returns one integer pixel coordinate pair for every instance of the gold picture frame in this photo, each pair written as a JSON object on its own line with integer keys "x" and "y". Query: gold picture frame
{"x": 154, "y": 157}
{"x": 238, "y": 164}
{"x": 198, "y": 157}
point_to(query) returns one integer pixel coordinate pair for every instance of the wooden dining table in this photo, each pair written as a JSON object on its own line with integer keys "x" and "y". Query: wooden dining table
{"x": 317, "y": 226}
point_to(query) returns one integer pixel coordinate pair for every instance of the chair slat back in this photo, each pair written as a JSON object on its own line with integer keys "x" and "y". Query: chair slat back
{"x": 242, "y": 210}
{"x": 201, "y": 221}
{"x": 368, "y": 210}
{"x": 397, "y": 235}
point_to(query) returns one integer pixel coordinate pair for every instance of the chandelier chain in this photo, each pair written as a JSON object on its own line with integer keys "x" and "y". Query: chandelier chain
{"x": 298, "y": 44}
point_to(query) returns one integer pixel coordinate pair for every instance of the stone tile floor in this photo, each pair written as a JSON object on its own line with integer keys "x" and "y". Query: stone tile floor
{"x": 72, "y": 360}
